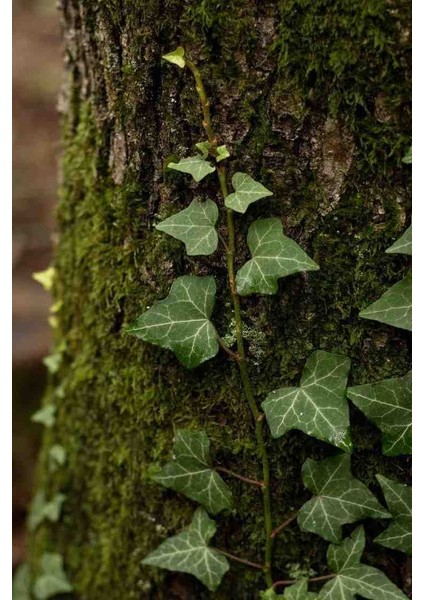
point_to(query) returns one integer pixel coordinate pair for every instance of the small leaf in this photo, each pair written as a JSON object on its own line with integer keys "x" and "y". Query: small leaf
{"x": 191, "y": 473}
{"x": 196, "y": 166}
{"x": 42, "y": 510}
{"x": 21, "y": 586}
{"x": 354, "y": 578}
{"x": 407, "y": 159}
{"x": 181, "y": 321}
{"x": 247, "y": 191}
{"x": 176, "y": 57}
{"x": 339, "y": 498}
{"x": 388, "y": 404}
{"x": 53, "y": 362}
{"x": 204, "y": 148}
{"x": 298, "y": 591}
{"x": 403, "y": 245}
{"x": 45, "y": 278}
{"x": 188, "y": 552}
{"x": 398, "y": 498}
{"x": 222, "y": 153}
{"x": 195, "y": 226}
{"x": 394, "y": 307}
{"x": 318, "y": 406}
{"x": 53, "y": 579}
{"x": 45, "y": 416}
{"x": 57, "y": 457}
{"x": 273, "y": 256}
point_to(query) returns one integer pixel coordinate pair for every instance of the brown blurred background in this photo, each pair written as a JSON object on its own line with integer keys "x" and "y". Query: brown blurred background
{"x": 36, "y": 82}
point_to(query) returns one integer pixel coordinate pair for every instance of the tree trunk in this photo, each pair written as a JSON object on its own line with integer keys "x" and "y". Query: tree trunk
{"x": 312, "y": 99}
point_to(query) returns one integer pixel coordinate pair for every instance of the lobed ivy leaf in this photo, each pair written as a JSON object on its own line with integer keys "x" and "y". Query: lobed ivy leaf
{"x": 45, "y": 415}
{"x": 52, "y": 580}
{"x": 53, "y": 362}
{"x": 204, "y": 148}
{"x": 21, "y": 586}
{"x": 247, "y": 191}
{"x": 181, "y": 322}
{"x": 191, "y": 473}
{"x": 394, "y": 307}
{"x": 188, "y": 552}
{"x": 339, "y": 498}
{"x": 388, "y": 404}
{"x": 407, "y": 159}
{"x": 45, "y": 278}
{"x": 403, "y": 245}
{"x": 56, "y": 457}
{"x": 41, "y": 509}
{"x": 223, "y": 153}
{"x": 195, "y": 226}
{"x": 273, "y": 256}
{"x": 318, "y": 406}
{"x": 196, "y": 166}
{"x": 354, "y": 579}
{"x": 176, "y": 57}
{"x": 398, "y": 498}
{"x": 297, "y": 591}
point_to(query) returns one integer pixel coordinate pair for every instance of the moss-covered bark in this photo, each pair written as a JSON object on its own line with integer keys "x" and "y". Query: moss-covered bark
{"x": 312, "y": 97}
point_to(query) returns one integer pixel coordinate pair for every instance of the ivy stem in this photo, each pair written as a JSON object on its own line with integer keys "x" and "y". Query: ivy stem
{"x": 241, "y": 477}
{"x": 242, "y": 561}
{"x": 280, "y": 528}
{"x": 285, "y": 582}
{"x": 242, "y": 362}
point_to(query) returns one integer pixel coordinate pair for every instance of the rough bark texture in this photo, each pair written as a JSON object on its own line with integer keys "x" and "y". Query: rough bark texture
{"x": 312, "y": 97}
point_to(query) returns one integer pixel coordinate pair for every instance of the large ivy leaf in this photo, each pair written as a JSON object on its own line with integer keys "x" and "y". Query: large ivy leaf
{"x": 52, "y": 580}
{"x": 196, "y": 166}
{"x": 394, "y": 307}
{"x": 195, "y": 226}
{"x": 398, "y": 497}
{"x": 403, "y": 245}
{"x": 318, "y": 406}
{"x": 41, "y": 509}
{"x": 191, "y": 473}
{"x": 181, "y": 321}
{"x": 339, "y": 498}
{"x": 21, "y": 586}
{"x": 189, "y": 552}
{"x": 354, "y": 578}
{"x": 388, "y": 404}
{"x": 247, "y": 191}
{"x": 273, "y": 256}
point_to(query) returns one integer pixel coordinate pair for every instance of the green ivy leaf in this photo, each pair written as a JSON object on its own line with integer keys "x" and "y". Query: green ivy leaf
{"x": 195, "y": 226}
{"x": 53, "y": 362}
{"x": 394, "y": 307}
{"x": 56, "y": 456}
{"x": 181, "y": 321}
{"x": 247, "y": 191}
{"x": 21, "y": 586}
{"x": 318, "y": 406}
{"x": 176, "y": 57}
{"x": 354, "y": 578}
{"x": 273, "y": 256}
{"x": 196, "y": 166}
{"x": 191, "y": 473}
{"x": 398, "y": 498}
{"x": 388, "y": 404}
{"x": 204, "y": 148}
{"x": 189, "y": 552}
{"x": 339, "y": 498}
{"x": 403, "y": 245}
{"x": 407, "y": 159}
{"x": 223, "y": 153}
{"x": 298, "y": 591}
{"x": 45, "y": 278}
{"x": 45, "y": 416}
{"x": 53, "y": 579}
{"x": 41, "y": 509}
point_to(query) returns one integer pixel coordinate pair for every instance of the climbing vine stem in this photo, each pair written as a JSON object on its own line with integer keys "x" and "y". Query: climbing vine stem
{"x": 242, "y": 360}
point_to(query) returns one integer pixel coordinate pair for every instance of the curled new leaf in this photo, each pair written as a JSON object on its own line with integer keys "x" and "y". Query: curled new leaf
{"x": 196, "y": 166}
{"x": 247, "y": 191}
{"x": 318, "y": 406}
{"x": 195, "y": 226}
{"x": 181, "y": 321}
{"x": 388, "y": 404}
{"x": 273, "y": 256}
{"x": 189, "y": 552}
{"x": 394, "y": 307}
{"x": 352, "y": 578}
{"x": 191, "y": 473}
{"x": 176, "y": 57}
{"x": 338, "y": 499}
{"x": 398, "y": 497}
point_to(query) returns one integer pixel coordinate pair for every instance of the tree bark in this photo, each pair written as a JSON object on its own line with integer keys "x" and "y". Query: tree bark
{"x": 313, "y": 99}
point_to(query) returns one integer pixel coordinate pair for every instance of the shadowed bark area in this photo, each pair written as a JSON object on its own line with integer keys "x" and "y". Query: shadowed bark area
{"x": 312, "y": 99}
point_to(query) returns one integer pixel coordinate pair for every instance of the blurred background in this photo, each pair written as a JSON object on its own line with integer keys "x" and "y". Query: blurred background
{"x": 37, "y": 67}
